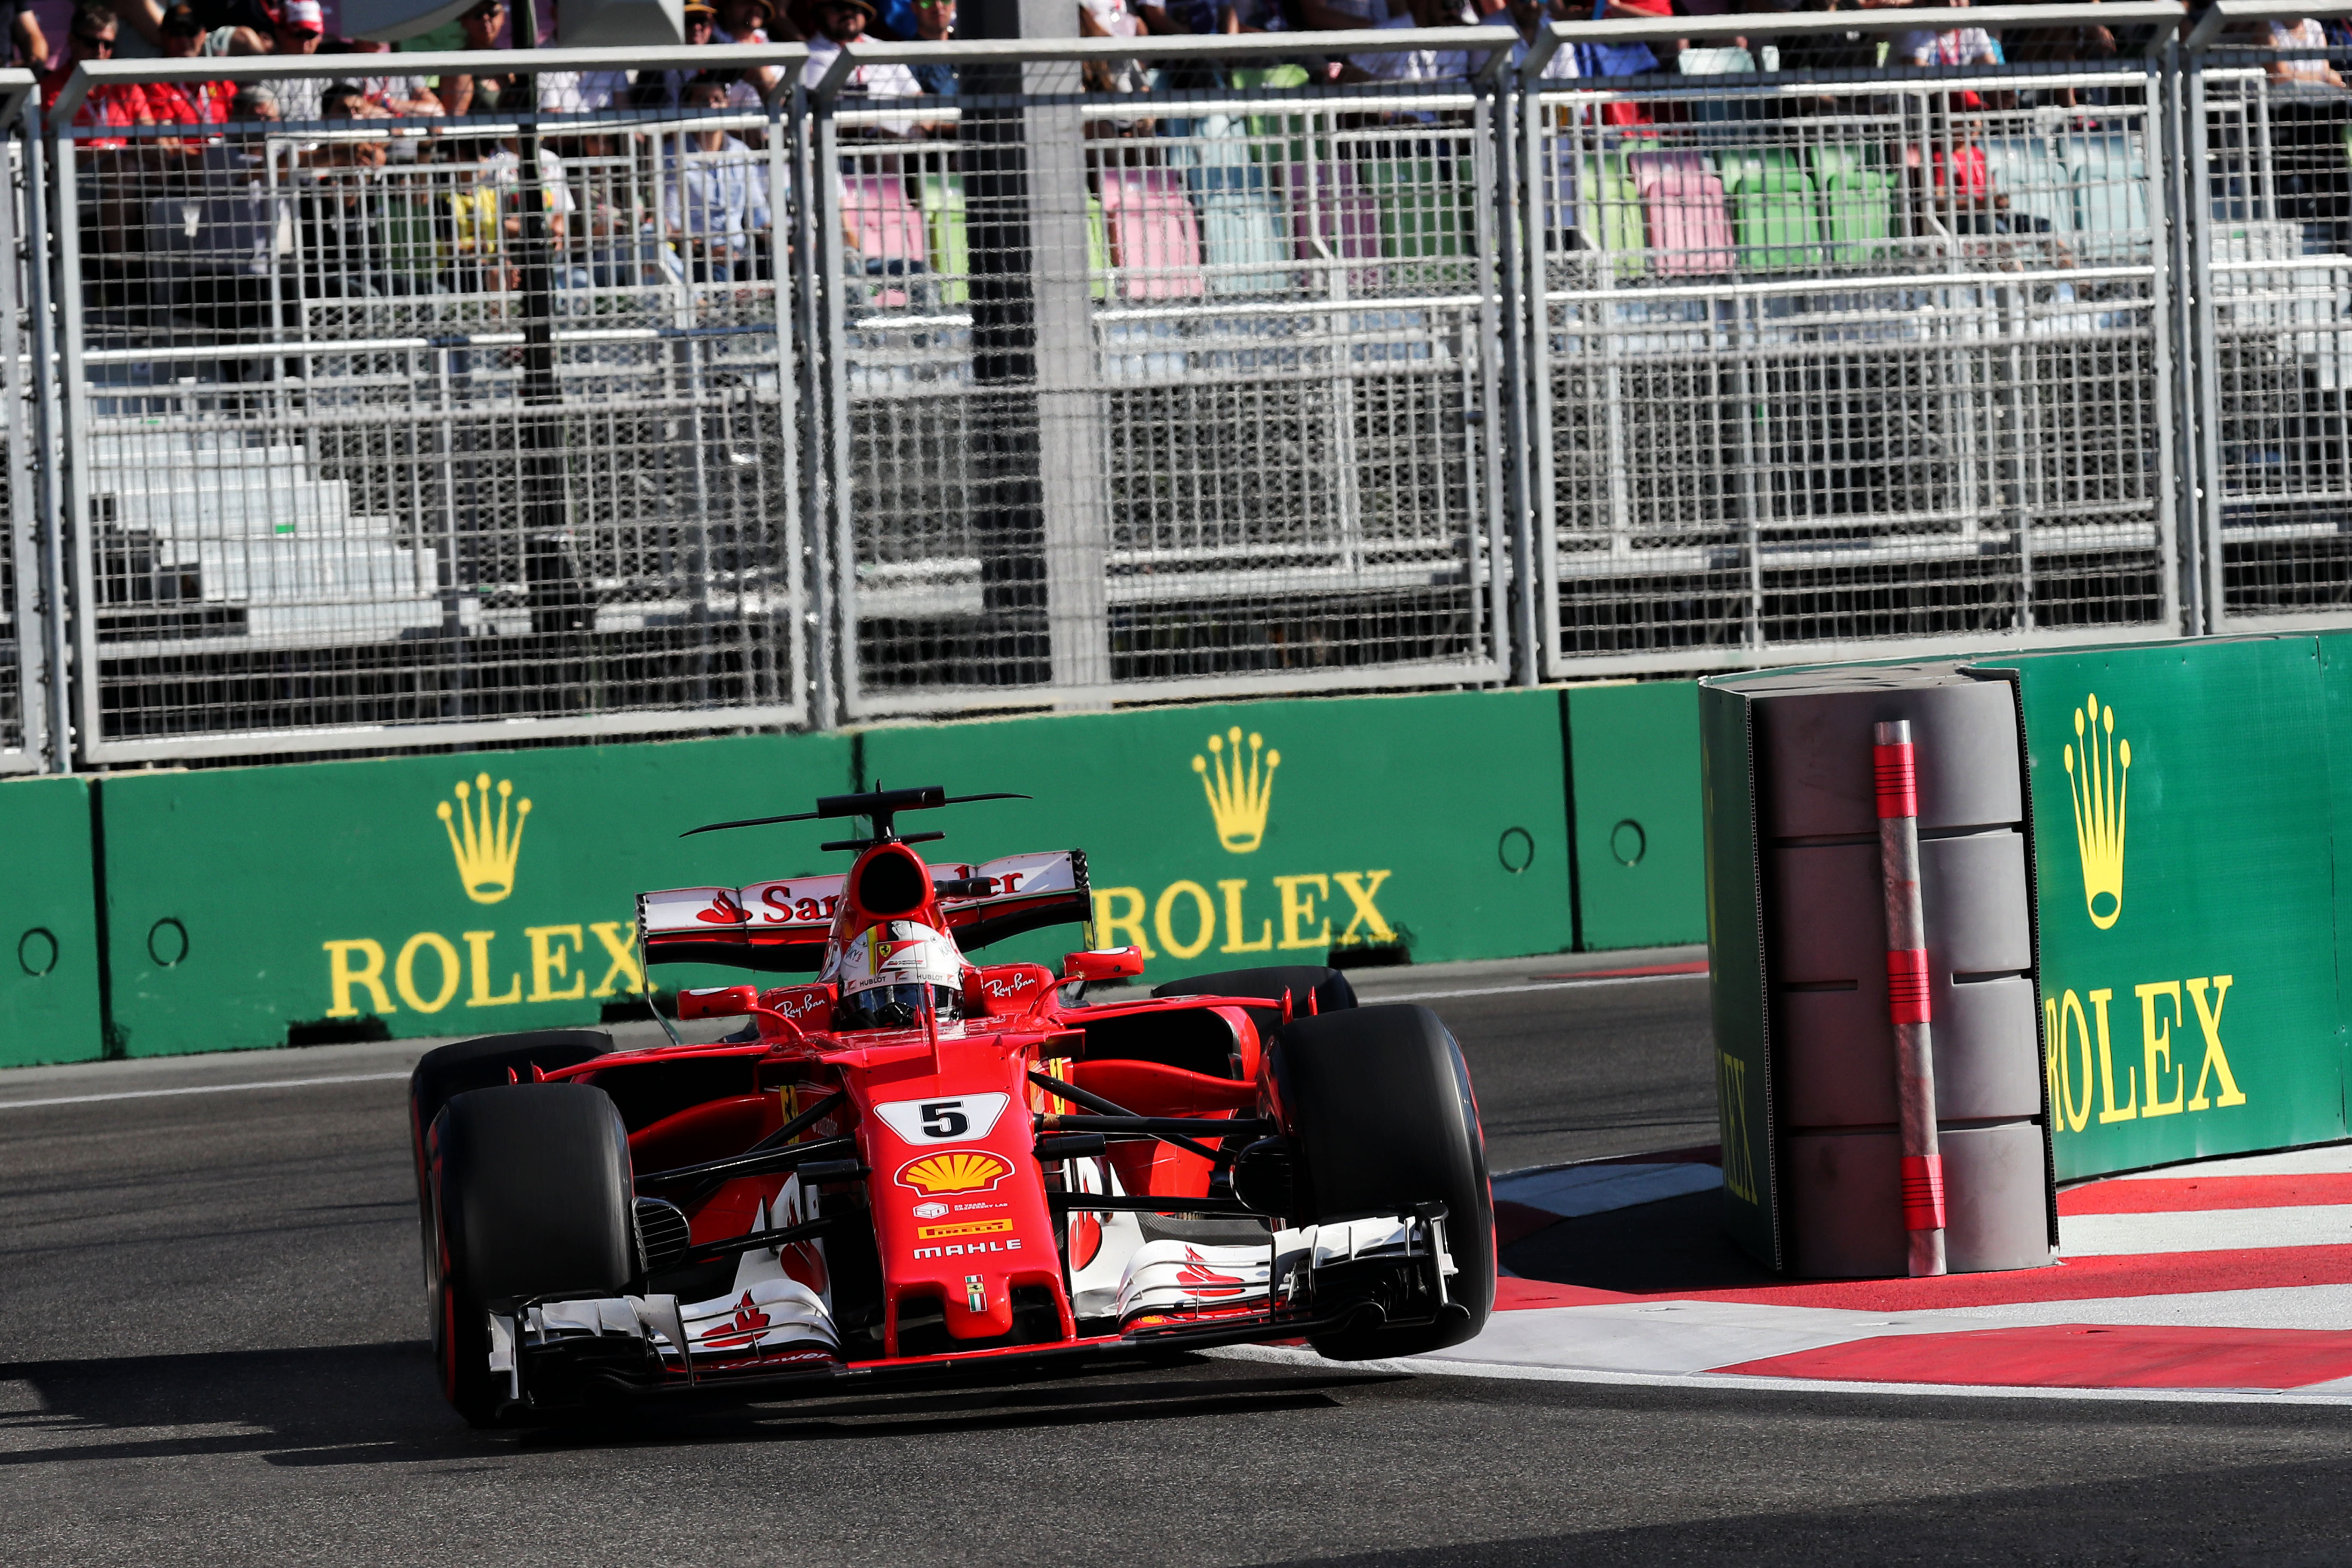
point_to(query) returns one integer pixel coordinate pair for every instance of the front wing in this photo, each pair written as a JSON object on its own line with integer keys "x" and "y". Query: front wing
{"x": 772, "y": 1329}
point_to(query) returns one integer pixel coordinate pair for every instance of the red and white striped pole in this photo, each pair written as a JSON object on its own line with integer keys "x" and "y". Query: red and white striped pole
{"x": 1906, "y": 994}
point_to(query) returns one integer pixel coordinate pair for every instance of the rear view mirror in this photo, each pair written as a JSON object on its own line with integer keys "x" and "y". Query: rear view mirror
{"x": 720, "y": 1002}
{"x": 1104, "y": 963}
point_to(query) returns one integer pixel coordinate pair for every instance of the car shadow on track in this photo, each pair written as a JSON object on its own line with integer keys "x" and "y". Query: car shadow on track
{"x": 1672, "y": 1245}
{"x": 378, "y": 1404}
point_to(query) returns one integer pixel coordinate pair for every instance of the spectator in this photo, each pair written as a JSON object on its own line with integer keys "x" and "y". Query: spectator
{"x": 666, "y": 89}
{"x": 342, "y": 256}
{"x": 1951, "y": 47}
{"x": 242, "y": 230}
{"x": 752, "y": 22}
{"x": 27, "y": 45}
{"x": 1111, "y": 19}
{"x": 714, "y": 193}
{"x": 1528, "y": 17}
{"x": 91, "y": 36}
{"x": 300, "y": 24}
{"x": 2305, "y": 37}
{"x": 935, "y": 23}
{"x": 227, "y": 27}
{"x": 187, "y": 103}
{"x": 393, "y": 96}
{"x": 1413, "y": 65}
{"x": 842, "y": 22}
{"x": 483, "y": 24}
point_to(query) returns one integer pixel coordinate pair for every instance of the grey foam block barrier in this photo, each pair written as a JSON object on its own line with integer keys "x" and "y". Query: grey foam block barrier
{"x": 1809, "y": 725}
{"x": 1847, "y": 1211}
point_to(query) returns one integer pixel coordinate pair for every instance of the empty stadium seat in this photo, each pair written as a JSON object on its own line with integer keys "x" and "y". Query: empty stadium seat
{"x": 2035, "y": 182}
{"x": 2110, "y": 196}
{"x": 1772, "y": 209}
{"x": 889, "y": 232}
{"x": 1857, "y": 203}
{"x": 1682, "y": 199}
{"x": 1608, "y": 211}
{"x": 1242, "y": 239}
{"x": 948, "y": 237}
{"x": 1155, "y": 241}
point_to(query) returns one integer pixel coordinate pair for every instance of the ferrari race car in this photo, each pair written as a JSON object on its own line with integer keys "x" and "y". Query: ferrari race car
{"x": 910, "y": 1163}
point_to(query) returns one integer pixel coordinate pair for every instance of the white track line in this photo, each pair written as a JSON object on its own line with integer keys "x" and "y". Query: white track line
{"x": 200, "y": 1088}
{"x": 1375, "y": 999}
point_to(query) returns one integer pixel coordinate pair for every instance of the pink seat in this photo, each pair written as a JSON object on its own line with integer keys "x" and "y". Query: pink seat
{"x": 1155, "y": 240}
{"x": 890, "y": 227}
{"x": 1682, "y": 196}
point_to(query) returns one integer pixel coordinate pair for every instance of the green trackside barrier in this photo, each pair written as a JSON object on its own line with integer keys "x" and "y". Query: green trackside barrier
{"x": 1229, "y": 836}
{"x": 2189, "y": 806}
{"x": 242, "y": 902}
{"x": 1641, "y": 854}
{"x": 49, "y": 990}
{"x": 2192, "y": 842}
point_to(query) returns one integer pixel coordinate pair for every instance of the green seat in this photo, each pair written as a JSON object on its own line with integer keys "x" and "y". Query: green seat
{"x": 1425, "y": 217}
{"x": 1857, "y": 203}
{"x": 1098, "y": 250}
{"x": 949, "y": 240}
{"x": 1773, "y": 208}
{"x": 1608, "y": 211}
{"x": 1262, "y": 129}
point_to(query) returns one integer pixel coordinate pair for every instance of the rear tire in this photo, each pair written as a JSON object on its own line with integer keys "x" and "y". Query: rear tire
{"x": 530, "y": 1193}
{"x": 1329, "y": 987}
{"x": 482, "y": 1062}
{"x": 1382, "y": 1117}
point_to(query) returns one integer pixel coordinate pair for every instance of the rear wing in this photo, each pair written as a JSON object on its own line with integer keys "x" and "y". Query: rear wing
{"x": 780, "y": 927}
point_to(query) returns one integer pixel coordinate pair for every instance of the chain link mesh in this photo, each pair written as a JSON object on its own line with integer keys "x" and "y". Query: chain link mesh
{"x": 1840, "y": 362}
{"x": 380, "y": 432}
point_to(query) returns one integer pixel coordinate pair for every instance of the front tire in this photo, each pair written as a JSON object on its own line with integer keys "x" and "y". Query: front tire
{"x": 1382, "y": 1117}
{"x": 530, "y": 1195}
{"x": 483, "y": 1063}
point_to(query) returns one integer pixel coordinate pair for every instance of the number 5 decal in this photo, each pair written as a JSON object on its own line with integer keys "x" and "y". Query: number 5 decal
{"x": 960, "y": 1119}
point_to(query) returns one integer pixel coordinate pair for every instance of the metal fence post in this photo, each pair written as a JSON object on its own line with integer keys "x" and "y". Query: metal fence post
{"x": 72, "y": 548}
{"x": 2175, "y": 202}
{"x": 1509, "y": 487}
{"x": 1072, "y": 467}
{"x": 799, "y": 645}
{"x": 20, "y": 193}
{"x": 57, "y": 610}
{"x": 2201, "y": 558}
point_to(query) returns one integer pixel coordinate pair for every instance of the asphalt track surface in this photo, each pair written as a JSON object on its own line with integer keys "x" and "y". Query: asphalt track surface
{"x": 214, "y": 1354}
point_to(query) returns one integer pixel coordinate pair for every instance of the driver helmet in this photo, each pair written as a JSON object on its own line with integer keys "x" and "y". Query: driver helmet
{"x": 884, "y": 972}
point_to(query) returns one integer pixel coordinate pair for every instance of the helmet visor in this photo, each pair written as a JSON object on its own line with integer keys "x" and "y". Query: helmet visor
{"x": 896, "y": 1006}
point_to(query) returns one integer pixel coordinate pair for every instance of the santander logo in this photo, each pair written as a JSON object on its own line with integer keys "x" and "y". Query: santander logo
{"x": 724, "y": 911}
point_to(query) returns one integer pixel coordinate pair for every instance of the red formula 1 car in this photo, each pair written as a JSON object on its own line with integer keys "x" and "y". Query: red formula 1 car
{"x": 911, "y": 1163}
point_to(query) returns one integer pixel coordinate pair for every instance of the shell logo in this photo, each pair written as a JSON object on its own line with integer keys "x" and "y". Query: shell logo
{"x": 963, "y": 1171}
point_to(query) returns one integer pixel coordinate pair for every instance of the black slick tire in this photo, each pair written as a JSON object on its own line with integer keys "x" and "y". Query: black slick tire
{"x": 530, "y": 1193}
{"x": 483, "y": 1063}
{"x": 1382, "y": 1117}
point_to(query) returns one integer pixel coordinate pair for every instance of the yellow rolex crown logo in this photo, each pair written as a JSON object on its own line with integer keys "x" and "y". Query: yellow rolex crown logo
{"x": 1240, "y": 793}
{"x": 486, "y": 844}
{"x": 2101, "y": 787}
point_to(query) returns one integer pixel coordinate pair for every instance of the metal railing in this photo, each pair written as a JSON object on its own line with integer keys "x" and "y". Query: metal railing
{"x": 1138, "y": 370}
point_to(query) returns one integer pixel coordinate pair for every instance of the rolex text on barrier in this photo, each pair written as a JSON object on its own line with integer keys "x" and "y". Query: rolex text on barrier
{"x": 415, "y": 896}
{"x": 1360, "y": 831}
{"x": 2192, "y": 807}
{"x": 1828, "y": 961}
